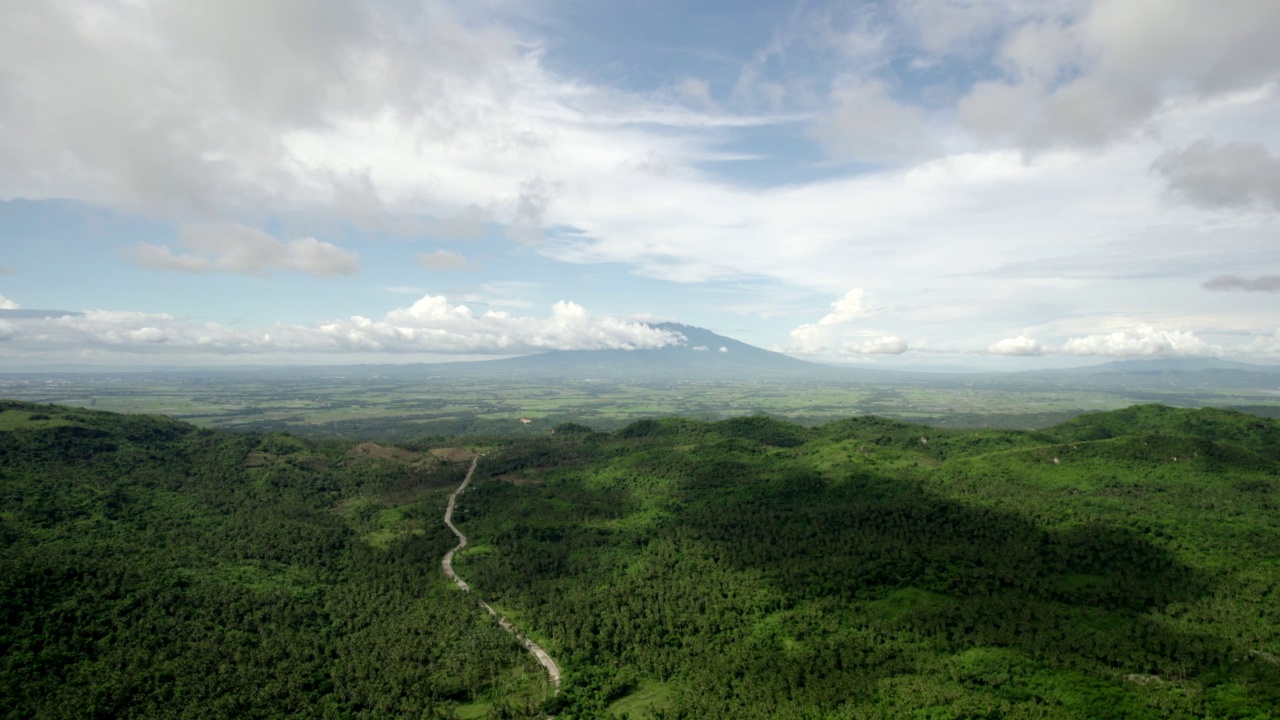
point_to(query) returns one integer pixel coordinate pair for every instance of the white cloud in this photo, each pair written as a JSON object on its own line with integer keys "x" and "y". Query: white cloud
{"x": 724, "y": 349}
{"x": 430, "y": 325}
{"x": 227, "y": 247}
{"x": 443, "y": 260}
{"x": 838, "y": 325}
{"x": 1041, "y": 51}
{"x": 1020, "y": 345}
{"x": 1089, "y": 74}
{"x": 199, "y": 109}
{"x": 1267, "y": 346}
{"x": 702, "y": 348}
{"x": 180, "y": 106}
{"x": 808, "y": 339}
{"x": 379, "y": 112}
{"x": 848, "y": 307}
{"x": 1141, "y": 341}
{"x": 7, "y": 304}
{"x": 883, "y": 345}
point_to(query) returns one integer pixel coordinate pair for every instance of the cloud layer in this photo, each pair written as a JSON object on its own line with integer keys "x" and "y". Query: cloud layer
{"x": 431, "y": 325}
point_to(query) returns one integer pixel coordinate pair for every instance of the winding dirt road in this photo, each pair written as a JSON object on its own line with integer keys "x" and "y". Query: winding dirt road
{"x": 553, "y": 670}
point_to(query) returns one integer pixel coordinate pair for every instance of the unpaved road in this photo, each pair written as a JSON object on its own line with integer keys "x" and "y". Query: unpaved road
{"x": 553, "y": 670}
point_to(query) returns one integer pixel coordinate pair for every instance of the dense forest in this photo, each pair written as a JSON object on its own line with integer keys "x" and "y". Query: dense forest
{"x": 150, "y": 569}
{"x": 1123, "y": 564}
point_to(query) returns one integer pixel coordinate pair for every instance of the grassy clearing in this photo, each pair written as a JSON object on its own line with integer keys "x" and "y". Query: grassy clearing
{"x": 472, "y": 710}
{"x": 643, "y": 702}
{"x": 22, "y": 419}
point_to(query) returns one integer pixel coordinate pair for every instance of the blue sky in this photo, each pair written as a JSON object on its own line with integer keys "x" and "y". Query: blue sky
{"x": 988, "y": 183}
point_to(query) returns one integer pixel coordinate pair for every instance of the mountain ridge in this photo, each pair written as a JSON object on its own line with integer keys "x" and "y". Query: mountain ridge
{"x": 704, "y": 355}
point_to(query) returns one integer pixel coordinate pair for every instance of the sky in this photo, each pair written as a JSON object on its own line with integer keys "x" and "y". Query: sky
{"x": 1004, "y": 184}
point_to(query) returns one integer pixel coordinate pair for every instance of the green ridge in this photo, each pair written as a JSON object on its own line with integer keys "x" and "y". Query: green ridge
{"x": 1121, "y": 564}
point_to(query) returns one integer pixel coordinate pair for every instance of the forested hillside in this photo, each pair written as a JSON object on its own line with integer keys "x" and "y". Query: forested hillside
{"x": 1125, "y": 564}
{"x": 150, "y": 569}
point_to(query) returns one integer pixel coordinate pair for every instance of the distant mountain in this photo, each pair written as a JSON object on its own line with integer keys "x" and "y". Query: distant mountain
{"x": 1173, "y": 365}
{"x": 1157, "y": 375}
{"x": 703, "y": 355}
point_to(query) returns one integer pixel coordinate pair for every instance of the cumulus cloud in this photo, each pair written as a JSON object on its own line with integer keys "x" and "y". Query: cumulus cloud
{"x": 846, "y": 308}
{"x": 443, "y": 260}
{"x": 1264, "y": 345}
{"x": 808, "y": 339}
{"x": 7, "y": 304}
{"x": 1087, "y": 75}
{"x": 430, "y": 325}
{"x": 1020, "y": 345}
{"x": 182, "y": 106}
{"x": 835, "y": 328}
{"x": 1141, "y": 341}
{"x": 1234, "y": 174}
{"x": 228, "y": 247}
{"x": 1263, "y": 283}
{"x": 883, "y": 345}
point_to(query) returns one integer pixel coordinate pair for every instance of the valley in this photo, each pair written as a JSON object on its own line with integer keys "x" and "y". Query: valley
{"x": 609, "y": 389}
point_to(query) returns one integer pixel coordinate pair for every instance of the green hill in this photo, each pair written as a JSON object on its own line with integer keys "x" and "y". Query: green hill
{"x": 1119, "y": 565}
{"x": 150, "y": 569}
{"x": 1257, "y": 434}
{"x": 870, "y": 568}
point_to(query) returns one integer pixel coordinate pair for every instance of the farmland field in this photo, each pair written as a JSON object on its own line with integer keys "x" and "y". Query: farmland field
{"x": 401, "y": 402}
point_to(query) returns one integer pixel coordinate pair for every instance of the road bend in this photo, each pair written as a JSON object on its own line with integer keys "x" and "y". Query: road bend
{"x": 553, "y": 670}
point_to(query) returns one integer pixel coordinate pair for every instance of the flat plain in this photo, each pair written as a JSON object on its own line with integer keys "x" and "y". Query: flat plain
{"x": 404, "y": 402}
